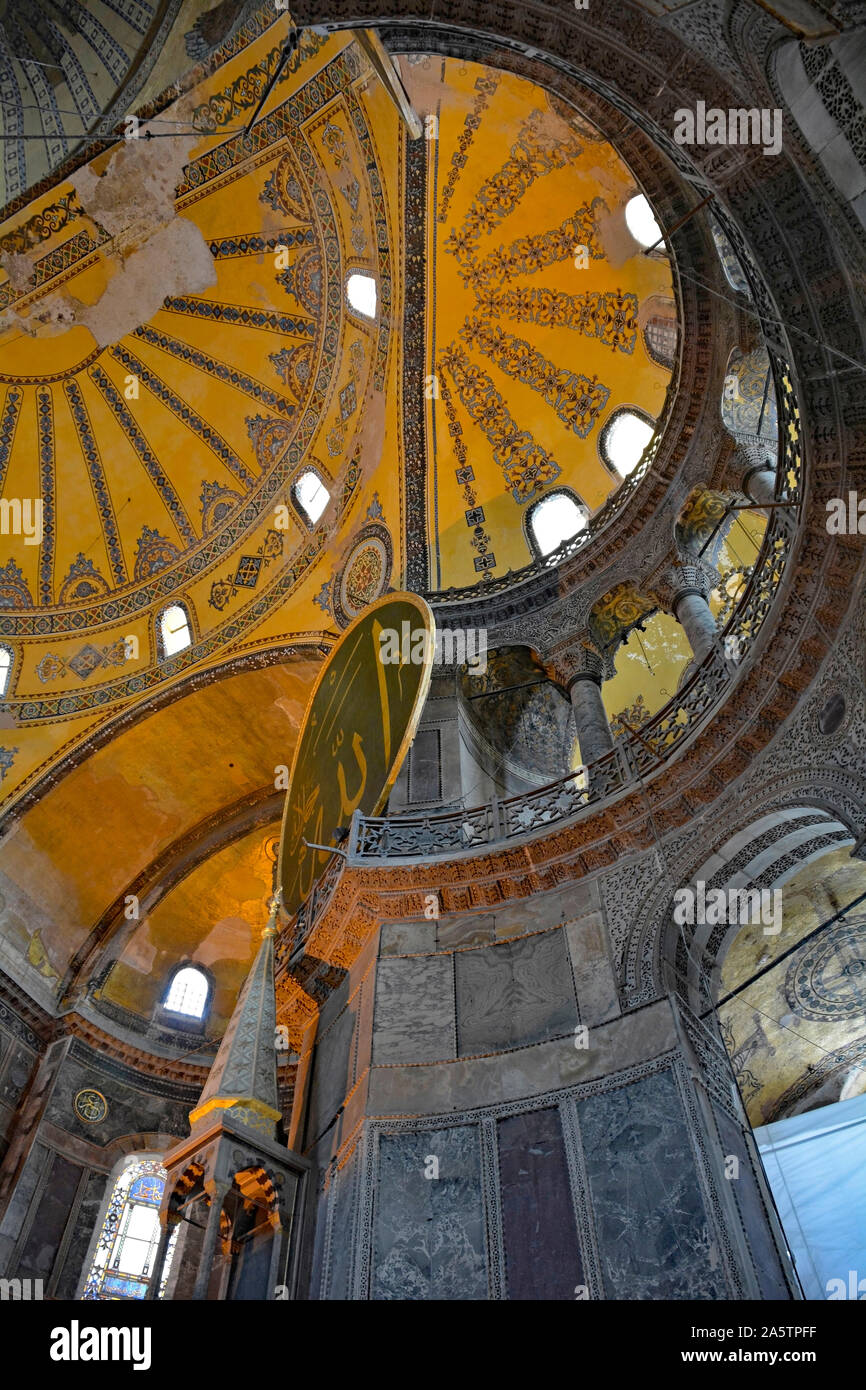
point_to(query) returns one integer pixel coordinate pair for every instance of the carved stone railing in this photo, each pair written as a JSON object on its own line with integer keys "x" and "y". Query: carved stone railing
{"x": 636, "y": 755}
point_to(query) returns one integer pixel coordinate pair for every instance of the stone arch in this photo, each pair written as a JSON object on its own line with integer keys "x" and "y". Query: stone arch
{"x": 763, "y": 838}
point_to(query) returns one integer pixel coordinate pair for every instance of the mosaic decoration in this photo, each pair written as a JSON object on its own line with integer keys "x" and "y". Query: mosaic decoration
{"x": 163, "y": 566}
{"x": 82, "y": 582}
{"x": 90, "y": 1106}
{"x": 613, "y": 616}
{"x": 140, "y": 1185}
{"x": 62, "y": 258}
{"x": 748, "y": 397}
{"x": 101, "y": 491}
{"x": 485, "y": 87}
{"x": 284, "y": 192}
{"x": 532, "y": 155}
{"x": 826, "y": 980}
{"x": 474, "y": 515}
{"x": 7, "y": 758}
{"x": 185, "y": 413}
{"x": 630, "y": 718}
{"x": 525, "y": 465}
{"x": 294, "y": 367}
{"x": 610, "y": 317}
{"x": 365, "y": 575}
{"x": 303, "y": 279}
{"x": 254, "y": 244}
{"x": 8, "y": 426}
{"x": 577, "y": 400}
{"x": 249, "y": 567}
{"x": 700, "y": 518}
{"x": 83, "y": 663}
{"x": 217, "y": 504}
{"x": 46, "y": 223}
{"x": 529, "y": 254}
{"x": 151, "y": 463}
{"x": 14, "y": 593}
{"x": 153, "y": 553}
{"x": 45, "y": 426}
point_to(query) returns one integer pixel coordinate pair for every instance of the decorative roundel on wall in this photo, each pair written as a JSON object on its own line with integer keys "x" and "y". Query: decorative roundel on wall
{"x": 90, "y": 1106}
{"x": 826, "y": 982}
{"x": 365, "y": 575}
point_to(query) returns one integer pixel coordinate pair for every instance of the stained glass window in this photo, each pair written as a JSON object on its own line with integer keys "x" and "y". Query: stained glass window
{"x": 123, "y": 1263}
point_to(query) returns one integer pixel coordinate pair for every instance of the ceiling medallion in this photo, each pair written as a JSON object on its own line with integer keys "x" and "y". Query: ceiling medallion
{"x": 90, "y": 1106}
{"x": 365, "y": 575}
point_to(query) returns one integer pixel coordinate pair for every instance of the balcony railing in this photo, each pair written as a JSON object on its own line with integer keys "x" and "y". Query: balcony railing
{"x": 413, "y": 836}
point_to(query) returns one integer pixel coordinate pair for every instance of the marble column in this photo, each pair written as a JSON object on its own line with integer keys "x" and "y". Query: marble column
{"x": 217, "y": 1193}
{"x": 689, "y": 589}
{"x": 159, "y": 1261}
{"x": 586, "y": 672}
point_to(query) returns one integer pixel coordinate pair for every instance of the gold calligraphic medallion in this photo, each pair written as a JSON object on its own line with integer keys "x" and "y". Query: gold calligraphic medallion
{"x": 359, "y": 722}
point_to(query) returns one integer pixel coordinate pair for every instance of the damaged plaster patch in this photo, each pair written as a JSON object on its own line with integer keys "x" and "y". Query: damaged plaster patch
{"x": 153, "y": 253}
{"x": 174, "y": 260}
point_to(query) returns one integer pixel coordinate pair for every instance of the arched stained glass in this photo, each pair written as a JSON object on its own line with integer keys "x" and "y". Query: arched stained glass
{"x": 123, "y": 1263}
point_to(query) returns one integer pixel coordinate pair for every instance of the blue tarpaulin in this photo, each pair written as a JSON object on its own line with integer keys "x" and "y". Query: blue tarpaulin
{"x": 816, "y": 1168}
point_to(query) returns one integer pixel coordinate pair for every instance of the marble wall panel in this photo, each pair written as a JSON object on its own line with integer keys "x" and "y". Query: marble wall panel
{"x": 768, "y": 1267}
{"x": 414, "y": 1012}
{"x": 333, "y": 1072}
{"x": 428, "y": 1233}
{"x": 517, "y": 993}
{"x": 654, "y": 1237}
{"x": 542, "y": 1256}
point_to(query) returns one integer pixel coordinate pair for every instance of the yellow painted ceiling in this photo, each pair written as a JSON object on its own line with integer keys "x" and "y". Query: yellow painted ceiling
{"x": 528, "y": 352}
{"x": 138, "y": 804}
{"x": 175, "y": 347}
{"x": 213, "y": 918}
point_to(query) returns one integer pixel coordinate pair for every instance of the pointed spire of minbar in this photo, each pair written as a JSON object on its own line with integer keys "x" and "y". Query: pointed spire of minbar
{"x": 243, "y": 1078}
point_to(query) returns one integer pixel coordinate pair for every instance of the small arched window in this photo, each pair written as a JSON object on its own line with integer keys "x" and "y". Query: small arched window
{"x": 5, "y": 670}
{"x": 310, "y": 496}
{"x": 187, "y": 993}
{"x": 556, "y": 518}
{"x": 641, "y": 222}
{"x": 361, "y": 294}
{"x": 624, "y": 439}
{"x": 175, "y": 632}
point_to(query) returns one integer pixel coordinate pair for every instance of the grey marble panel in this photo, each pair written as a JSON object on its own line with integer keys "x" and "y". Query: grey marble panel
{"x": 654, "y": 1238}
{"x": 747, "y": 1195}
{"x": 517, "y": 993}
{"x": 541, "y": 1250}
{"x": 342, "y": 1229}
{"x": 408, "y": 938}
{"x": 333, "y": 1073}
{"x": 414, "y": 1013}
{"x": 85, "y": 1224}
{"x": 428, "y": 1233}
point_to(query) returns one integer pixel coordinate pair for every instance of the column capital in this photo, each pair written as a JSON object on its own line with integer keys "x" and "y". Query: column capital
{"x": 579, "y": 660}
{"x": 686, "y": 574}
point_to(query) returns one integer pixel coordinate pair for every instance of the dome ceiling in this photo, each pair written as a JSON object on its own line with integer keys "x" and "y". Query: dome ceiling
{"x": 538, "y": 298}
{"x": 177, "y": 347}
{"x": 174, "y": 351}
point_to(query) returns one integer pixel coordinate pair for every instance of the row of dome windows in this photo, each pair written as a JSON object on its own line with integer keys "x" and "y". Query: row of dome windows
{"x": 554, "y": 519}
